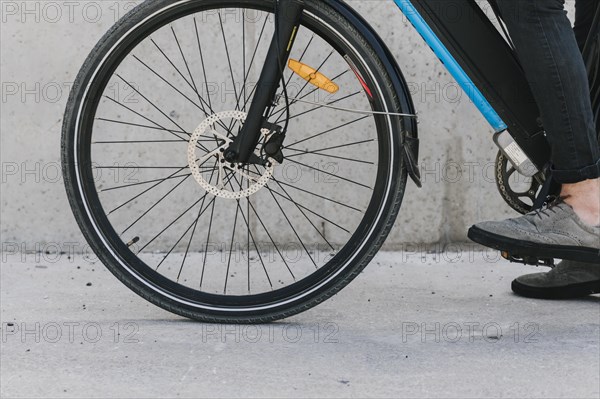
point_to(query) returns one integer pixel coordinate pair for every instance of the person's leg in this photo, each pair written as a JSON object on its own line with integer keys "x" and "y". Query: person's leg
{"x": 584, "y": 197}
{"x": 585, "y": 11}
{"x": 584, "y": 16}
{"x": 568, "y": 228}
{"x": 568, "y": 279}
{"x": 548, "y": 50}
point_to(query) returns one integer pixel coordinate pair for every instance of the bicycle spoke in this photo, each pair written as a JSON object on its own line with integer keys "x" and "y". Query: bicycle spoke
{"x": 307, "y": 218}
{"x": 293, "y": 101}
{"x": 301, "y": 153}
{"x": 172, "y": 223}
{"x": 316, "y": 195}
{"x": 228, "y": 57}
{"x": 187, "y": 67}
{"x": 143, "y": 182}
{"x": 243, "y": 91}
{"x": 301, "y": 58}
{"x": 230, "y": 250}
{"x": 138, "y": 167}
{"x": 148, "y": 189}
{"x": 144, "y": 126}
{"x": 337, "y": 146}
{"x": 321, "y": 106}
{"x": 321, "y": 151}
{"x": 290, "y": 146}
{"x": 154, "y": 205}
{"x": 149, "y": 120}
{"x": 254, "y": 242}
{"x": 248, "y": 225}
{"x": 187, "y": 249}
{"x": 335, "y": 78}
{"x": 309, "y": 210}
{"x": 136, "y": 141}
{"x": 156, "y": 107}
{"x": 317, "y": 70}
{"x": 212, "y": 213}
{"x": 186, "y": 81}
{"x": 192, "y": 78}
{"x": 172, "y": 64}
{"x": 203, "y": 66}
{"x": 203, "y": 103}
{"x": 272, "y": 241}
{"x": 292, "y": 227}
{"x": 194, "y": 223}
{"x": 330, "y": 174}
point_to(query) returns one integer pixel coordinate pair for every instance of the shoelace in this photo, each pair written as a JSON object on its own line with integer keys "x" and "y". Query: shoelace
{"x": 550, "y": 205}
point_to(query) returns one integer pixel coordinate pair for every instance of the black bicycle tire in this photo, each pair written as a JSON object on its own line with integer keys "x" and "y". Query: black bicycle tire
{"x": 398, "y": 184}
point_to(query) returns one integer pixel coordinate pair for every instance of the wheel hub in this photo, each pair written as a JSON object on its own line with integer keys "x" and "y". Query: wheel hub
{"x": 233, "y": 180}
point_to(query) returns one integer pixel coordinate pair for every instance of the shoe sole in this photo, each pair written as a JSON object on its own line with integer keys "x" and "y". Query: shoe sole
{"x": 520, "y": 248}
{"x": 572, "y": 291}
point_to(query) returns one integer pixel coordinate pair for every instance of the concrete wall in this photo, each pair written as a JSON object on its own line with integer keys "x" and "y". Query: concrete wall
{"x": 43, "y": 44}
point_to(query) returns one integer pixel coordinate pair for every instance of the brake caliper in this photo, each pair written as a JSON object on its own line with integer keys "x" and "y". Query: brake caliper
{"x": 272, "y": 148}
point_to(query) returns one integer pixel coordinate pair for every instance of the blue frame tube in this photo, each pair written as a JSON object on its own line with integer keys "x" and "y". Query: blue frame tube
{"x": 452, "y": 65}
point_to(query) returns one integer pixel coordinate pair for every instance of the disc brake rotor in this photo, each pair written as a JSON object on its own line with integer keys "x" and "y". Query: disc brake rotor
{"x": 226, "y": 172}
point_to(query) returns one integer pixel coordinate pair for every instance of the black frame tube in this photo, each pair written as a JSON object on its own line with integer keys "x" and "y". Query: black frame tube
{"x": 478, "y": 47}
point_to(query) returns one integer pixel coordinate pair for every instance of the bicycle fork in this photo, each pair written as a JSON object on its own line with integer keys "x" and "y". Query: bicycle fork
{"x": 287, "y": 23}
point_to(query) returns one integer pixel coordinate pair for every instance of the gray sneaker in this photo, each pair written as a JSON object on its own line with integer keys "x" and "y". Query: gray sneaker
{"x": 554, "y": 231}
{"x": 568, "y": 279}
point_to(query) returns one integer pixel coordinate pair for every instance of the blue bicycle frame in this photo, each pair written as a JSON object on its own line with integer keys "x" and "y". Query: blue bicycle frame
{"x": 484, "y": 65}
{"x": 452, "y": 65}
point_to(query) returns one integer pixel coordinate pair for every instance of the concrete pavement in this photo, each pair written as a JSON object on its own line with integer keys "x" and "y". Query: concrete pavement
{"x": 412, "y": 325}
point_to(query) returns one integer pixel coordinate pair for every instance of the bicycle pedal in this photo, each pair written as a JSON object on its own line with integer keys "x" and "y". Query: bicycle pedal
{"x": 528, "y": 260}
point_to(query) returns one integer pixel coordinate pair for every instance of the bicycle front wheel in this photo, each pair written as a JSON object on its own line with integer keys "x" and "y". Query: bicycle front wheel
{"x": 155, "y": 104}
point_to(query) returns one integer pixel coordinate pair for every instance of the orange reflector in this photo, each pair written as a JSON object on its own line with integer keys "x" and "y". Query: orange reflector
{"x": 313, "y": 76}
